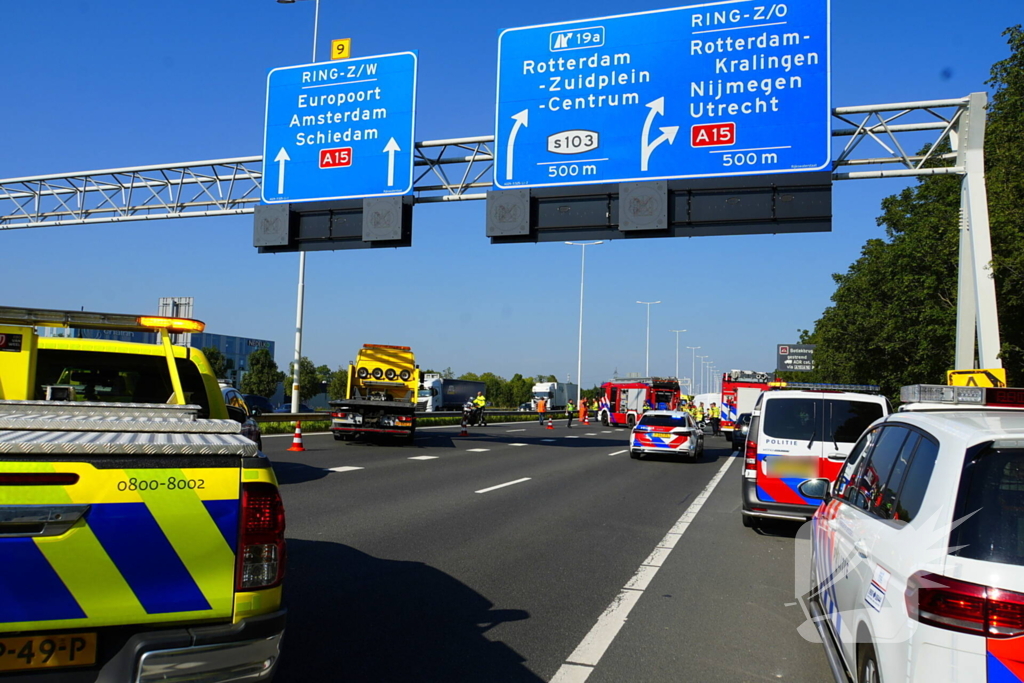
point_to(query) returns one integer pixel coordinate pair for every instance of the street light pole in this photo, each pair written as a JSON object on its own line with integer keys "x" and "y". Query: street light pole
{"x": 702, "y": 373}
{"x": 647, "y": 365}
{"x": 693, "y": 366}
{"x": 301, "y": 297}
{"x": 677, "y": 351}
{"x": 579, "y": 357}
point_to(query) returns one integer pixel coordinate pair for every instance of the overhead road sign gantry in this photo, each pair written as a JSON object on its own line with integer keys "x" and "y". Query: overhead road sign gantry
{"x": 340, "y": 130}
{"x": 723, "y": 89}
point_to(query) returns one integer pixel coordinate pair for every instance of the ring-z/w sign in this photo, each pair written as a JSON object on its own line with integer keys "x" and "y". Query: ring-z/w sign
{"x": 723, "y": 89}
{"x": 340, "y": 130}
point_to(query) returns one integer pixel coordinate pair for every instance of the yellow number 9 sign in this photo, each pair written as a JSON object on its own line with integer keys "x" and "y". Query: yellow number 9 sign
{"x": 341, "y": 48}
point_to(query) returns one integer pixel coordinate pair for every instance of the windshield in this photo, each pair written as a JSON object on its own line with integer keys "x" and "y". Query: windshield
{"x": 992, "y": 488}
{"x": 663, "y": 421}
{"x": 542, "y": 394}
{"x": 424, "y": 393}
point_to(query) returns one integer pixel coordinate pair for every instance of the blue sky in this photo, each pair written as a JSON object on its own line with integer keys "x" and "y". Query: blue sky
{"x": 92, "y": 85}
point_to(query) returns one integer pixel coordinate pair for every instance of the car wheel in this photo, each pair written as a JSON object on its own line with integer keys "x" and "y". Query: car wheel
{"x": 867, "y": 665}
{"x": 259, "y": 444}
{"x": 338, "y": 437}
{"x": 631, "y": 421}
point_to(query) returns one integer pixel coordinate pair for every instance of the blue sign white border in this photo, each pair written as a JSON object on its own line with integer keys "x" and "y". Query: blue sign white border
{"x": 827, "y": 164}
{"x": 412, "y": 136}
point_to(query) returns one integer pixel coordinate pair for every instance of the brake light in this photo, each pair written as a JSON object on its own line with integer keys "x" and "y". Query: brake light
{"x": 339, "y": 415}
{"x": 750, "y": 456}
{"x": 261, "y": 548}
{"x": 964, "y": 607}
{"x": 38, "y": 479}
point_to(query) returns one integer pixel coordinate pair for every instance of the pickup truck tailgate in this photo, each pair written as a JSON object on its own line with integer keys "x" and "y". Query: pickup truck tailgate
{"x": 116, "y": 514}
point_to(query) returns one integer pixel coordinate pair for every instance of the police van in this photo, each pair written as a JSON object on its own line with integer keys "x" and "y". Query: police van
{"x": 800, "y": 431}
{"x": 141, "y": 534}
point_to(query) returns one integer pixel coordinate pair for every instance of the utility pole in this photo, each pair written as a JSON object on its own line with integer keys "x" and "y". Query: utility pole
{"x": 693, "y": 367}
{"x": 579, "y": 358}
{"x": 677, "y": 351}
{"x": 647, "y": 365}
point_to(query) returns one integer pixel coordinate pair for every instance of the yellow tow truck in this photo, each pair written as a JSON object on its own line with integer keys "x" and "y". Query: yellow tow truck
{"x": 381, "y": 395}
{"x": 141, "y": 535}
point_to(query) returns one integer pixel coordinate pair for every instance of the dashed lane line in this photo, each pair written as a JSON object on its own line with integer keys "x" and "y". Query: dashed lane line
{"x": 581, "y": 663}
{"x": 572, "y": 437}
{"x": 518, "y": 444}
{"x": 477, "y": 450}
{"x": 424, "y": 457}
{"x": 501, "y": 486}
{"x": 616, "y": 453}
{"x": 515, "y": 430}
{"x": 591, "y": 434}
{"x": 343, "y": 469}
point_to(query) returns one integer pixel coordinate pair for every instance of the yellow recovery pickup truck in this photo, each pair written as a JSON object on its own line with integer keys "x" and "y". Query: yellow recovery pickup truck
{"x": 141, "y": 535}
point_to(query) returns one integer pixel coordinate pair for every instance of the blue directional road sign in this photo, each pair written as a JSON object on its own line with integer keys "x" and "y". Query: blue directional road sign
{"x": 340, "y": 130}
{"x": 726, "y": 89}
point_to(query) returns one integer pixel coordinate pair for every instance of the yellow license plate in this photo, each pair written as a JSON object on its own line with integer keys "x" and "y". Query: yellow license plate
{"x": 47, "y": 652}
{"x": 662, "y": 435}
{"x": 792, "y": 467}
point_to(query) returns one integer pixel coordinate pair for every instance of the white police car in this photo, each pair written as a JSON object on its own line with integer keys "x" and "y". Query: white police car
{"x": 917, "y": 570}
{"x": 669, "y": 432}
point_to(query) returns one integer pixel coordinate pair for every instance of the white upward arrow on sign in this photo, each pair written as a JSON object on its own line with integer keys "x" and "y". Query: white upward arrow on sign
{"x": 667, "y": 133}
{"x": 522, "y": 119}
{"x": 391, "y": 148}
{"x": 281, "y": 157}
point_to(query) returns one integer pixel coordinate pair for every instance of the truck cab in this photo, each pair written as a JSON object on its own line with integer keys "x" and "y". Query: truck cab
{"x": 142, "y": 534}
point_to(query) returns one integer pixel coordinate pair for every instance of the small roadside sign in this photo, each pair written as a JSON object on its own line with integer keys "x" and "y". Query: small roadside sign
{"x": 341, "y": 48}
{"x": 994, "y": 377}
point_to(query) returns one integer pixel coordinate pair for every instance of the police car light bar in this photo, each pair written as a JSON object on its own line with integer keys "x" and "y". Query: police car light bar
{"x": 863, "y": 388}
{"x": 940, "y": 393}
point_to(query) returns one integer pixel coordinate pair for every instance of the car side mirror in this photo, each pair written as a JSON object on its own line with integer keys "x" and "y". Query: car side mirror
{"x": 816, "y": 489}
{"x": 237, "y": 414}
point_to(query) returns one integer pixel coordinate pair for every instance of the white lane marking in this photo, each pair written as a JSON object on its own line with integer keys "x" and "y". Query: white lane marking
{"x": 593, "y": 646}
{"x": 518, "y": 444}
{"x": 617, "y": 453}
{"x": 515, "y": 430}
{"x": 424, "y": 457}
{"x": 549, "y": 439}
{"x": 591, "y": 434}
{"x": 343, "y": 469}
{"x": 477, "y": 450}
{"x": 608, "y": 432}
{"x": 501, "y": 486}
{"x": 572, "y": 437}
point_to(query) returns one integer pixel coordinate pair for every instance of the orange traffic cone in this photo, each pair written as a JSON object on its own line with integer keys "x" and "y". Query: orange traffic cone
{"x": 586, "y": 418}
{"x": 464, "y": 432}
{"x": 551, "y": 423}
{"x": 297, "y": 439}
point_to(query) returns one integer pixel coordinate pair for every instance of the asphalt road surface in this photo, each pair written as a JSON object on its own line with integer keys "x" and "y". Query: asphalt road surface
{"x": 520, "y": 553}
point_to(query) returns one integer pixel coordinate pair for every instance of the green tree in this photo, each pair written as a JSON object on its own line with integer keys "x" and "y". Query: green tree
{"x": 217, "y": 361}
{"x": 519, "y": 389}
{"x": 263, "y": 375}
{"x": 893, "y": 314}
{"x": 309, "y": 380}
{"x": 338, "y": 387}
{"x": 471, "y": 376}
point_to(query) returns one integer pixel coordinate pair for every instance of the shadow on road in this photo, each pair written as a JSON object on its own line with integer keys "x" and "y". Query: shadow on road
{"x": 297, "y": 472}
{"x": 354, "y": 617}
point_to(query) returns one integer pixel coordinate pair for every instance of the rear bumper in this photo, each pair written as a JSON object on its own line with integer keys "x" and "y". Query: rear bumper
{"x": 798, "y": 513}
{"x": 247, "y": 651}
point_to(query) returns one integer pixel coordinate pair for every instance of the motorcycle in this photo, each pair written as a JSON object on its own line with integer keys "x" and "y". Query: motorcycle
{"x": 473, "y": 415}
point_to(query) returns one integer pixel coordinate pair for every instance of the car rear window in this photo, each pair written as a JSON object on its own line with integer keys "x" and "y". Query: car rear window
{"x": 663, "y": 421}
{"x": 792, "y": 418}
{"x": 118, "y": 377}
{"x": 847, "y": 419}
{"x": 992, "y": 494}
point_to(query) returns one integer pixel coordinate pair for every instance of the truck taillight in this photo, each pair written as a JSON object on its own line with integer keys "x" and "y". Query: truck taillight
{"x": 261, "y": 548}
{"x": 750, "y": 456}
{"x": 339, "y": 415}
{"x": 965, "y": 607}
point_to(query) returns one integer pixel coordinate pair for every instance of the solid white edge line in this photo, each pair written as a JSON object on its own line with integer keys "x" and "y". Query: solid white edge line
{"x": 588, "y": 653}
{"x": 617, "y": 453}
{"x": 501, "y": 486}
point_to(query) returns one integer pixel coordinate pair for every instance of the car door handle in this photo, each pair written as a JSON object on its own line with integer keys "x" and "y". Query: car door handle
{"x": 861, "y": 548}
{"x": 836, "y": 456}
{"x": 21, "y": 521}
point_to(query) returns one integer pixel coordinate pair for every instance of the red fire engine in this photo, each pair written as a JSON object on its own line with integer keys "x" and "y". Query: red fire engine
{"x": 622, "y": 400}
{"x": 740, "y": 389}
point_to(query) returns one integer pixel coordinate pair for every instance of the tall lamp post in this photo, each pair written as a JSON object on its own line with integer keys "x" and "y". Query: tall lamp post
{"x": 302, "y": 255}
{"x": 693, "y": 368}
{"x": 647, "y": 365}
{"x": 579, "y": 357}
{"x": 677, "y": 351}
{"x": 701, "y": 373}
